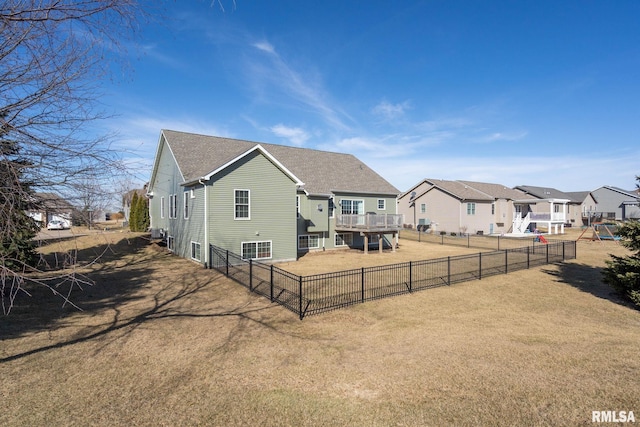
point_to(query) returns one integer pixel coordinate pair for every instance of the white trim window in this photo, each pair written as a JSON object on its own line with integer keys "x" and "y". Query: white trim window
{"x": 162, "y": 207}
{"x": 343, "y": 239}
{"x": 332, "y": 207}
{"x": 241, "y": 204}
{"x": 173, "y": 206}
{"x": 382, "y": 204}
{"x": 297, "y": 206}
{"x": 423, "y": 208}
{"x": 256, "y": 250}
{"x": 186, "y": 204}
{"x": 351, "y": 207}
{"x": 471, "y": 208}
{"x": 171, "y": 243}
{"x": 195, "y": 251}
{"x": 308, "y": 241}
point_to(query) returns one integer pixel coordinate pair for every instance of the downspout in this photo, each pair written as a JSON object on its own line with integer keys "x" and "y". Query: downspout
{"x": 206, "y": 233}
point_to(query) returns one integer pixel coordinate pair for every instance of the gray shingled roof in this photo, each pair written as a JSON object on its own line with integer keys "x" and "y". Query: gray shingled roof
{"x": 460, "y": 190}
{"x": 543, "y": 192}
{"x": 497, "y": 191}
{"x": 578, "y": 196}
{"x": 322, "y": 172}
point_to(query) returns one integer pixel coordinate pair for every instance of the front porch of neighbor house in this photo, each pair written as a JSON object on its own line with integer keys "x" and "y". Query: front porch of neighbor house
{"x": 370, "y": 225}
{"x": 548, "y": 213}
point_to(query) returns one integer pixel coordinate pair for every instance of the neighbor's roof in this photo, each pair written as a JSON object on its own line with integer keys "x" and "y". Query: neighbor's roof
{"x": 497, "y": 191}
{"x": 578, "y": 196}
{"x": 544, "y": 192}
{"x": 460, "y": 190}
{"x": 53, "y": 202}
{"x": 322, "y": 172}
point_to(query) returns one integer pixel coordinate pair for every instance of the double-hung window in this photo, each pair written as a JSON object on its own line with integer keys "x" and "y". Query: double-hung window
{"x": 173, "y": 206}
{"x": 241, "y": 204}
{"x": 381, "y": 204}
{"x": 186, "y": 204}
{"x": 471, "y": 208}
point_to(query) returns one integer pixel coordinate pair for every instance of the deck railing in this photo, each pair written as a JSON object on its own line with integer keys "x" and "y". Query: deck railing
{"x": 390, "y": 222}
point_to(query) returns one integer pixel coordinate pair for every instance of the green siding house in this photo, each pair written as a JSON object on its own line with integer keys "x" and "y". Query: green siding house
{"x": 264, "y": 201}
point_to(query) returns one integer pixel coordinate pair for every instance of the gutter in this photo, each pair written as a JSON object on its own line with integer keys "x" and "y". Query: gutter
{"x": 206, "y": 231}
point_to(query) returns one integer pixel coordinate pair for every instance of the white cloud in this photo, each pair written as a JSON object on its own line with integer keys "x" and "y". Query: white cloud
{"x": 296, "y": 136}
{"x": 273, "y": 75}
{"x": 388, "y": 111}
{"x": 265, "y": 46}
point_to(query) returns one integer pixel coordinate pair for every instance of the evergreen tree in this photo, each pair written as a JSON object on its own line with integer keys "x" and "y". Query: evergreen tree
{"x": 623, "y": 273}
{"x": 17, "y": 229}
{"x": 134, "y": 217}
{"x": 143, "y": 213}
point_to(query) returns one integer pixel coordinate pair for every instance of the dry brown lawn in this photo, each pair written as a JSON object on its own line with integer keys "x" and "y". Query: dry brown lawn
{"x": 162, "y": 341}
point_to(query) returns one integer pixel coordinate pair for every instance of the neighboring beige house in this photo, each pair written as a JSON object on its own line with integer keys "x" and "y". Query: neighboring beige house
{"x": 586, "y": 212}
{"x": 448, "y": 206}
{"x": 544, "y": 209}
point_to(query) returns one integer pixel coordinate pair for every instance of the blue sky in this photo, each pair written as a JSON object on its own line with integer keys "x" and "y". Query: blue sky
{"x": 543, "y": 93}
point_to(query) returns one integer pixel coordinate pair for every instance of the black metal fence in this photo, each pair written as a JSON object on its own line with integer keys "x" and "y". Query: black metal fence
{"x": 479, "y": 241}
{"x": 305, "y": 295}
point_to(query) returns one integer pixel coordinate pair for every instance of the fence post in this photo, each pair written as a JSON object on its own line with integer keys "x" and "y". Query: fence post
{"x": 563, "y": 250}
{"x": 441, "y": 239}
{"x": 226, "y": 263}
{"x": 468, "y": 240}
{"x": 300, "y": 292}
{"x": 271, "y": 281}
{"x": 250, "y": 274}
{"x": 506, "y": 261}
{"x": 362, "y": 280}
{"x": 410, "y": 276}
{"x": 479, "y": 265}
{"x": 449, "y": 270}
{"x": 527, "y": 257}
{"x": 547, "y": 247}
{"x": 498, "y": 242}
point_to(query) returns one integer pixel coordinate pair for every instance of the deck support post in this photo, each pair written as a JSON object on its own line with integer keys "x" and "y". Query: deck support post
{"x": 366, "y": 243}
{"x": 380, "y": 236}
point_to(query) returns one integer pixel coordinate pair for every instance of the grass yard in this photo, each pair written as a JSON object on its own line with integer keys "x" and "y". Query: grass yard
{"x": 162, "y": 341}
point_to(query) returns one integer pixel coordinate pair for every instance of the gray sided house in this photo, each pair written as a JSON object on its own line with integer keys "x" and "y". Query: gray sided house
{"x": 613, "y": 203}
{"x": 263, "y": 201}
